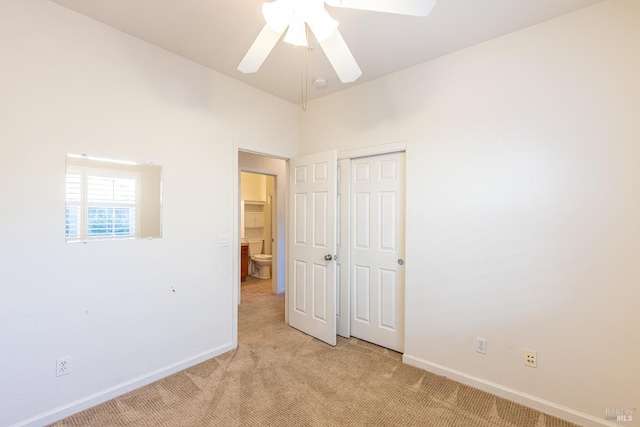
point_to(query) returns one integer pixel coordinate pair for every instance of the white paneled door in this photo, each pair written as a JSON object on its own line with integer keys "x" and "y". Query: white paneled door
{"x": 312, "y": 245}
{"x": 377, "y": 250}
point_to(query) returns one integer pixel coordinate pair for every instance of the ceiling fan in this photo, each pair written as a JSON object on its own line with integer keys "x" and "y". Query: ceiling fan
{"x": 296, "y": 16}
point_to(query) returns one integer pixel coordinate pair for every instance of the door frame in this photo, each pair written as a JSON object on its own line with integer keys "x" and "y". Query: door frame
{"x": 282, "y": 195}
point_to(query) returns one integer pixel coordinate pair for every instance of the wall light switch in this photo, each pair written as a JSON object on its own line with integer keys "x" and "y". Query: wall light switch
{"x": 223, "y": 240}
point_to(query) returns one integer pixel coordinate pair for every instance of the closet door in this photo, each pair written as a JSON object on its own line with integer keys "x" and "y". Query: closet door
{"x": 377, "y": 250}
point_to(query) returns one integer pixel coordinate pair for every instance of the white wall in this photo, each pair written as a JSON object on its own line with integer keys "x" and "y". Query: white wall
{"x": 253, "y": 186}
{"x": 523, "y": 164}
{"x": 71, "y": 85}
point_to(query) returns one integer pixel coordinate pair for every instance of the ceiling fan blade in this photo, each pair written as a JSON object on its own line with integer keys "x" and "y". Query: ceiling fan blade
{"x": 402, "y": 7}
{"x": 259, "y": 50}
{"x": 341, "y": 58}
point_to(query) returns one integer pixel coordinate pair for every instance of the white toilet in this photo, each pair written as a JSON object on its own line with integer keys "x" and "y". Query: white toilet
{"x": 261, "y": 267}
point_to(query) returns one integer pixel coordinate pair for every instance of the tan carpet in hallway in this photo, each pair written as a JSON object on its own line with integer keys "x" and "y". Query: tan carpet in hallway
{"x": 281, "y": 377}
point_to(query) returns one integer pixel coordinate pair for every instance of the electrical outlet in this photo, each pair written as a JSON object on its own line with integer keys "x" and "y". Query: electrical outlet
{"x": 531, "y": 358}
{"x": 481, "y": 345}
{"x": 63, "y": 366}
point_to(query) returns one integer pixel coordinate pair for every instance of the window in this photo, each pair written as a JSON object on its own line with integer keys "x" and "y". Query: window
{"x": 108, "y": 199}
{"x": 101, "y": 204}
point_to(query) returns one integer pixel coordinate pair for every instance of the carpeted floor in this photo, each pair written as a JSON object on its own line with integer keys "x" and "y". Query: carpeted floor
{"x": 281, "y": 377}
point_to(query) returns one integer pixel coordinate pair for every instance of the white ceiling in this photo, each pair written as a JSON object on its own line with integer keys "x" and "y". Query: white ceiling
{"x": 217, "y": 34}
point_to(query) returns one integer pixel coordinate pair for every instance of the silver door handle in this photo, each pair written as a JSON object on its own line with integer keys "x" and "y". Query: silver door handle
{"x": 400, "y": 261}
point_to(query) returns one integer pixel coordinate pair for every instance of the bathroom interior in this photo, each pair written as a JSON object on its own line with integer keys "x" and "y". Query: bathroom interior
{"x": 256, "y": 225}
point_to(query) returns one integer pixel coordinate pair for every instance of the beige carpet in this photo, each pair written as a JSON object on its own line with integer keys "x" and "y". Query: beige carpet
{"x": 281, "y": 377}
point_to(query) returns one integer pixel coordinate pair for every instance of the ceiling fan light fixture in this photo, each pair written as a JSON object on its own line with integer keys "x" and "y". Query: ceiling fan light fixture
{"x": 297, "y": 17}
{"x": 322, "y": 25}
{"x": 297, "y": 33}
{"x": 278, "y": 14}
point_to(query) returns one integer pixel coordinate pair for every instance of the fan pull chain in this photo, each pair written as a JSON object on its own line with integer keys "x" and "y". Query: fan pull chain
{"x": 305, "y": 74}
{"x": 305, "y": 80}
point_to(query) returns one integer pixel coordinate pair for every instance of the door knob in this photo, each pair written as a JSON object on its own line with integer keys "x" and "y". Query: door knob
{"x": 400, "y": 261}
{"x": 328, "y": 257}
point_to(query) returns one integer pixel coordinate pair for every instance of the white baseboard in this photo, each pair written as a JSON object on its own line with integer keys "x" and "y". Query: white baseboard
{"x": 120, "y": 389}
{"x": 513, "y": 395}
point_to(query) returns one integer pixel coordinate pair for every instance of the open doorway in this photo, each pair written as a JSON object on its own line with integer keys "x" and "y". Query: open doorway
{"x": 257, "y": 224}
{"x": 262, "y": 223}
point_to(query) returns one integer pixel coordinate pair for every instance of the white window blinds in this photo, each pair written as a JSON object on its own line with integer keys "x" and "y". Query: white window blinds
{"x": 73, "y": 217}
{"x": 101, "y": 204}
